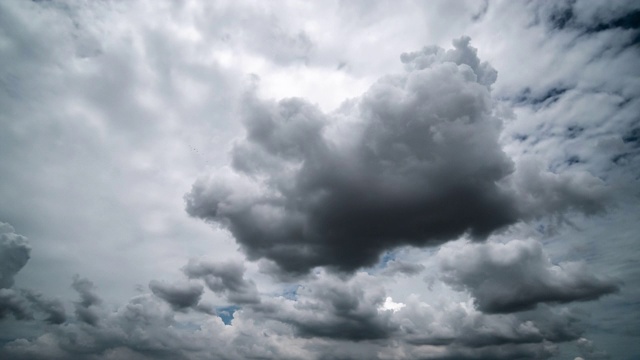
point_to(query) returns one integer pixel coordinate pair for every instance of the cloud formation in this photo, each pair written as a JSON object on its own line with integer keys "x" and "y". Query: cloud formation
{"x": 414, "y": 161}
{"x": 304, "y": 199}
{"x": 328, "y": 318}
{"x": 225, "y": 278}
{"x": 86, "y": 309}
{"x": 22, "y": 304}
{"x": 14, "y": 254}
{"x": 108, "y": 117}
{"x": 517, "y": 276}
{"x": 180, "y": 295}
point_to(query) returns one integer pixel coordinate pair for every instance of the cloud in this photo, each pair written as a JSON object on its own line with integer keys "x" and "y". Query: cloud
{"x": 28, "y": 305}
{"x": 419, "y": 166}
{"x": 86, "y": 308}
{"x": 108, "y": 117}
{"x": 328, "y": 317}
{"x": 225, "y": 278}
{"x": 518, "y": 275}
{"x": 588, "y": 351}
{"x": 53, "y": 309}
{"x": 180, "y": 295}
{"x": 14, "y": 254}
{"x": 394, "y": 267}
{"x": 335, "y": 308}
{"x": 12, "y": 303}
{"x": 413, "y": 161}
{"x": 23, "y": 304}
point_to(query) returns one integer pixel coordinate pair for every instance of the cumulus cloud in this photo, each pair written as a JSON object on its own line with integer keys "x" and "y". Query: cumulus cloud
{"x": 414, "y": 161}
{"x": 330, "y": 307}
{"x": 28, "y": 305}
{"x": 329, "y": 317}
{"x": 180, "y": 295}
{"x": 87, "y": 308}
{"x": 518, "y": 275}
{"x": 12, "y": 303}
{"x": 14, "y": 254}
{"x": 419, "y": 159}
{"x": 23, "y": 304}
{"x": 420, "y": 166}
{"x": 225, "y": 278}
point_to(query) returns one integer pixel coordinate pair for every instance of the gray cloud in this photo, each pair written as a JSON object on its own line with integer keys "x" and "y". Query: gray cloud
{"x": 395, "y": 267}
{"x": 98, "y": 104}
{"x": 29, "y": 305}
{"x": 398, "y": 178}
{"x": 53, "y": 309}
{"x": 334, "y": 308}
{"x": 86, "y": 309}
{"x": 14, "y": 254}
{"x": 518, "y": 275}
{"x": 413, "y": 161}
{"x": 11, "y": 302}
{"x": 23, "y": 304}
{"x": 180, "y": 295}
{"x": 330, "y": 317}
{"x": 225, "y": 278}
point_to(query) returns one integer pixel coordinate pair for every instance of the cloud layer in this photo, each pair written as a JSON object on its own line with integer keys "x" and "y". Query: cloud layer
{"x": 369, "y": 216}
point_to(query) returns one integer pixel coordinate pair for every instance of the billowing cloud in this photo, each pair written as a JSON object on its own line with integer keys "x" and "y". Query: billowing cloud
{"x": 87, "y": 308}
{"x": 180, "y": 295}
{"x": 23, "y": 304}
{"x": 12, "y": 303}
{"x": 333, "y": 308}
{"x": 225, "y": 278}
{"x": 413, "y": 161}
{"x": 518, "y": 275}
{"x": 108, "y": 117}
{"x": 397, "y": 178}
{"x": 328, "y": 317}
{"x": 14, "y": 254}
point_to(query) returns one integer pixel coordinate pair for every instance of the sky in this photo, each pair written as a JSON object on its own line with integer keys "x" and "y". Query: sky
{"x": 319, "y": 180}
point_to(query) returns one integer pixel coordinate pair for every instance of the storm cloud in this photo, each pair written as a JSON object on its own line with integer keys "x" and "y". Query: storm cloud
{"x": 87, "y": 308}
{"x": 414, "y": 161}
{"x": 518, "y": 275}
{"x": 14, "y": 254}
{"x": 350, "y": 193}
{"x": 180, "y": 295}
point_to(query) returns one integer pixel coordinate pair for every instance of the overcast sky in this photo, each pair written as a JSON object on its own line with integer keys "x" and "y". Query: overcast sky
{"x": 319, "y": 180}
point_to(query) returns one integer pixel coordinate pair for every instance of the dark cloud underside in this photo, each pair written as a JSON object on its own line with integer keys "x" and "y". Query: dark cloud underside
{"x": 413, "y": 161}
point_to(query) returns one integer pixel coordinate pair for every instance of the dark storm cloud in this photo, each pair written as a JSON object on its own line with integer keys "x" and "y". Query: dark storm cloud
{"x": 11, "y": 302}
{"x": 86, "y": 308}
{"x": 225, "y": 278}
{"x": 53, "y": 309}
{"x": 179, "y": 296}
{"x": 418, "y": 166}
{"x": 413, "y": 161}
{"x": 14, "y": 254}
{"x": 516, "y": 276}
